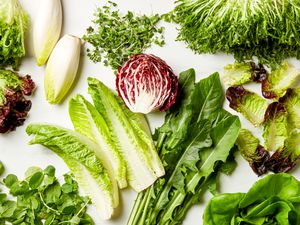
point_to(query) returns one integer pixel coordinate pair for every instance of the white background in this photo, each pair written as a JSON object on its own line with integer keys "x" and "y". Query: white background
{"x": 17, "y": 155}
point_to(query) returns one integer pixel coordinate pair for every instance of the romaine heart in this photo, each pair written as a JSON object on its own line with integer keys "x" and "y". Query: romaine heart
{"x": 146, "y": 83}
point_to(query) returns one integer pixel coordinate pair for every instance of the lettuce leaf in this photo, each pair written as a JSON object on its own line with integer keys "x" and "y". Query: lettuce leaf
{"x": 271, "y": 200}
{"x": 276, "y": 128}
{"x": 131, "y": 135}
{"x": 243, "y": 72}
{"x": 291, "y": 102}
{"x": 78, "y": 151}
{"x": 279, "y": 80}
{"x": 248, "y": 103}
{"x": 252, "y": 151}
{"x": 88, "y": 122}
{"x": 13, "y": 25}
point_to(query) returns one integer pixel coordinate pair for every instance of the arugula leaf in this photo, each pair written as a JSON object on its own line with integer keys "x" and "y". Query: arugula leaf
{"x": 2, "y": 168}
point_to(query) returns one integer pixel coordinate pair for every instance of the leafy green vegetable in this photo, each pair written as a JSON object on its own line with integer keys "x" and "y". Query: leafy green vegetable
{"x": 275, "y": 126}
{"x": 41, "y": 199}
{"x": 131, "y": 135}
{"x": 14, "y": 107}
{"x": 79, "y": 152}
{"x": 267, "y": 29}
{"x": 89, "y": 122}
{"x": 115, "y": 38}
{"x": 2, "y": 168}
{"x": 291, "y": 102}
{"x": 241, "y": 73}
{"x": 271, "y": 200}
{"x": 252, "y": 151}
{"x": 248, "y": 103}
{"x": 13, "y": 24}
{"x": 286, "y": 158}
{"x": 194, "y": 144}
{"x": 279, "y": 80}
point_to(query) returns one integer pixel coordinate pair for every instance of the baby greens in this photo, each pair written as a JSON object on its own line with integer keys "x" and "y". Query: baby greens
{"x": 115, "y": 37}
{"x": 194, "y": 144}
{"x": 42, "y": 199}
{"x": 271, "y": 200}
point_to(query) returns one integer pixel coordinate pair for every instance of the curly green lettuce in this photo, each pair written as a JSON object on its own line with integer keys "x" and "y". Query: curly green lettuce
{"x": 13, "y": 24}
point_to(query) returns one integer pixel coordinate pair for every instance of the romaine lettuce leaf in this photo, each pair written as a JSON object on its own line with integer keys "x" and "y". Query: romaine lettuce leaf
{"x": 248, "y": 103}
{"x": 131, "y": 136}
{"x": 88, "y": 121}
{"x": 279, "y": 80}
{"x": 275, "y": 127}
{"x": 92, "y": 185}
{"x": 79, "y": 148}
{"x": 291, "y": 102}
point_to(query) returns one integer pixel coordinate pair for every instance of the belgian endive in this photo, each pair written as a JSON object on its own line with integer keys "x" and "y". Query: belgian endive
{"x": 62, "y": 68}
{"x": 46, "y": 29}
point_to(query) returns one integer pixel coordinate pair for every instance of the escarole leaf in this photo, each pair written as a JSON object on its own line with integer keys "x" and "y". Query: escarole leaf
{"x": 130, "y": 136}
{"x": 79, "y": 148}
{"x": 248, "y": 103}
{"x": 279, "y": 80}
{"x": 88, "y": 121}
{"x": 275, "y": 127}
{"x": 192, "y": 153}
{"x": 291, "y": 102}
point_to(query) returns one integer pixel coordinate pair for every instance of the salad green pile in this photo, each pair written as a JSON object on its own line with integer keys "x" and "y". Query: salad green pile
{"x": 13, "y": 24}
{"x": 41, "y": 199}
{"x": 280, "y": 119}
{"x": 271, "y": 200}
{"x": 195, "y": 144}
{"x": 268, "y": 29}
{"x": 115, "y": 37}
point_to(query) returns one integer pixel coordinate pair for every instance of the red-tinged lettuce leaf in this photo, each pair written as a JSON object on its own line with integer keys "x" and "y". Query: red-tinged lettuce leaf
{"x": 291, "y": 102}
{"x": 285, "y": 159}
{"x": 248, "y": 103}
{"x": 279, "y": 80}
{"x": 252, "y": 151}
{"x": 276, "y": 128}
{"x": 240, "y": 73}
{"x": 14, "y": 107}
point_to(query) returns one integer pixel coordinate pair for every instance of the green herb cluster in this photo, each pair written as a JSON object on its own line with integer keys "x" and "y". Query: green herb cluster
{"x": 272, "y": 200}
{"x": 41, "y": 199}
{"x": 268, "y": 29}
{"x": 115, "y": 37}
{"x": 195, "y": 143}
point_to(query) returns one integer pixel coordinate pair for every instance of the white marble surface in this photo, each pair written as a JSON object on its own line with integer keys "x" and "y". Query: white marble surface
{"x": 18, "y": 155}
